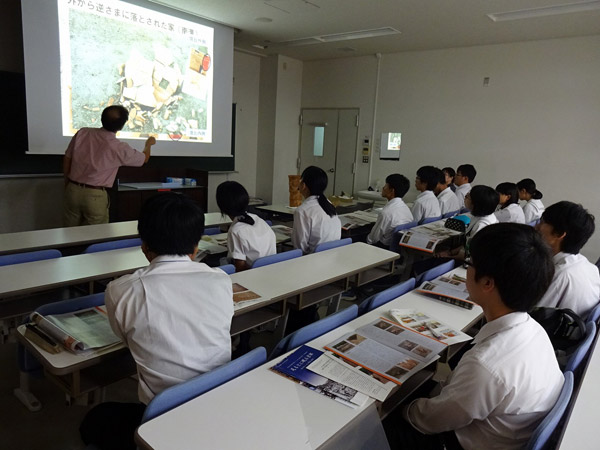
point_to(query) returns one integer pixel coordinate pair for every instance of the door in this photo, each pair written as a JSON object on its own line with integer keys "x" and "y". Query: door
{"x": 328, "y": 140}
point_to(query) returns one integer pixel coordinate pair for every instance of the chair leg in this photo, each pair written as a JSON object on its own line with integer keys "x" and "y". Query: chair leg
{"x": 282, "y": 323}
{"x": 334, "y": 304}
{"x": 24, "y": 394}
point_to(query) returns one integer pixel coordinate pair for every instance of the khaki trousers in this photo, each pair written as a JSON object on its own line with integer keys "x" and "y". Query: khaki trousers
{"x": 84, "y": 206}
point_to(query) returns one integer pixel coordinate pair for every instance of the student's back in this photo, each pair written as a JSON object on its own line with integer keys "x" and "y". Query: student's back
{"x": 250, "y": 241}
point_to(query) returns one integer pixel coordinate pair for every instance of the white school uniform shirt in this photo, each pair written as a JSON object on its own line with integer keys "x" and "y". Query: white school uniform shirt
{"x": 576, "y": 284}
{"x": 460, "y": 193}
{"x": 448, "y": 201}
{"x": 394, "y": 213}
{"x": 533, "y": 210}
{"x": 426, "y": 205}
{"x": 174, "y": 316}
{"x": 312, "y": 226}
{"x": 250, "y": 242}
{"x": 512, "y": 213}
{"x": 501, "y": 389}
{"x": 478, "y": 223}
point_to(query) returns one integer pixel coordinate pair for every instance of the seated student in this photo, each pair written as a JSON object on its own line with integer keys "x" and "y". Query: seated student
{"x": 481, "y": 202}
{"x": 465, "y": 175}
{"x": 174, "y": 315}
{"x": 249, "y": 237}
{"x": 426, "y": 204}
{"x": 315, "y": 220}
{"x": 449, "y": 175}
{"x": 446, "y": 198}
{"x": 394, "y": 213}
{"x": 503, "y": 387}
{"x": 534, "y": 207}
{"x": 566, "y": 227}
{"x": 508, "y": 207}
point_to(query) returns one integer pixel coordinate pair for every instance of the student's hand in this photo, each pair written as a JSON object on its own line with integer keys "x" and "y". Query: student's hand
{"x": 151, "y": 140}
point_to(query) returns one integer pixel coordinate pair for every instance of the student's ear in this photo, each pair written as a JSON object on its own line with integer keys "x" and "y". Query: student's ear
{"x": 487, "y": 284}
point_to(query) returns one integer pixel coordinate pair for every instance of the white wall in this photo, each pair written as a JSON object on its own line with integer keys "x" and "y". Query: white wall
{"x": 539, "y": 117}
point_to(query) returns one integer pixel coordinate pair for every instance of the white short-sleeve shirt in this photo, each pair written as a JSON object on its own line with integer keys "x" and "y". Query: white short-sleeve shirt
{"x": 426, "y": 205}
{"x": 312, "y": 226}
{"x": 249, "y": 242}
{"x": 478, "y": 223}
{"x": 394, "y": 213}
{"x": 512, "y": 213}
{"x": 533, "y": 210}
{"x": 448, "y": 201}
{"x": 174, "y": 316}
{"x": 461, "y": 192}
{"x": 576, "y": 284}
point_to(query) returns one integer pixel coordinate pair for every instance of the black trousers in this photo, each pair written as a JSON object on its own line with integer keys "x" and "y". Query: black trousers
{"x": 111, "y": 425}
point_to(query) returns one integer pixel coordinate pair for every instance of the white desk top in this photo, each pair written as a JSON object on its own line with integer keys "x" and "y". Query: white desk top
{"x": 280, "y": 209}
{"x": 271, "y": 412}
{"x": 582, "y": 432}
{"x": 87, "y": 234}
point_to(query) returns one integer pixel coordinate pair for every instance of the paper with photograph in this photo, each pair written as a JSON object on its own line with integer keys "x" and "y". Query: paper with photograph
{"x": 429, "y": 326}
{"x": 427, "y": 237}
{"x": 450, "y": 288}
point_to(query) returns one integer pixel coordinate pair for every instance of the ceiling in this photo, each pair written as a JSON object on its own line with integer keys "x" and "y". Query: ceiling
{"x": 423, "y": 24}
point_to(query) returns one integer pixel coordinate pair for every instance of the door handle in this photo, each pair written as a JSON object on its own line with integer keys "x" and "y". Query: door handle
{"x": 332, "y": 170}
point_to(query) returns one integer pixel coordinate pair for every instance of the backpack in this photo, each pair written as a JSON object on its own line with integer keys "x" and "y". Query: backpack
{"x": 564, "y": 327}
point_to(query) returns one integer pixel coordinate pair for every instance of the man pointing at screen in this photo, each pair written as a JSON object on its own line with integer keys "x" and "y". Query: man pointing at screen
{"x": 90, "y": 165}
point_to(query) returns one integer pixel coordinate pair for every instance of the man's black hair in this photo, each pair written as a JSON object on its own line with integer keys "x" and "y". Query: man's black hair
{"x": 449, "y": 170}
{"x": 467, "y": 170}
{"x": 316, "y": 180}
{"x": 484, "y": 200}
{"x": 518, "y": 260}
{"x": 508, "y": 189}
{"x": 429, "y": 176}
{"x": 233, "y": 199}
{"x": 171, "y": 224}
{"x": 399, "y": 183}
{"x": 529, "y": 185}
{"x": 572, "y": 219}
{"x": 114, "y": 118}
{"x": 441, "y": 176}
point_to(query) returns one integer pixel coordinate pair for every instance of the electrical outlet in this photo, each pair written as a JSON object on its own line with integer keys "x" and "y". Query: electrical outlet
{"x": 365, "y": 159}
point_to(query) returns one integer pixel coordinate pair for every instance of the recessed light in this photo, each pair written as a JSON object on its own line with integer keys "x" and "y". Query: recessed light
{"x": 264, "y": 19}
{"x": 545, "y": 11}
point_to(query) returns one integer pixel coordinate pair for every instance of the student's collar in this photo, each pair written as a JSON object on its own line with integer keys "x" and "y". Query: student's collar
{"x": 170, "y": 258}
{"x": 503, "y": 323}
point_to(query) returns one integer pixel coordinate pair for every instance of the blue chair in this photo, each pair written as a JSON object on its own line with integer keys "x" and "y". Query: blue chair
{"x": 268, "y": 222}
{"x": 227, "y": 268}
{"x": 332, "y": 244}
{"x": 113, "y": 245}
{"x": 464, "y": 210}
{"x": 430, "y": 219}
{"x": 450, "y": 214}
{"x": 211, "y": 231}
{"x": 181, "y": 393}
{"x": 28, "y": 365}
{"x": 579, "y": 355}
{"x": 533, "y": 223}
{"x": 20, "y": 258}
{"x": 435, "y": 272}
{"x": 383, "y": 297}
{"x": 277, "y": 257}
{"x": 545, "y": 429}
{"x": 594, "y": 314}
{"x": 314, "y": 330}
{"x": 394, "y": 247}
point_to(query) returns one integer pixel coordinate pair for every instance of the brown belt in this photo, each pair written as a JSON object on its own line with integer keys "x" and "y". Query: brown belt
{"x": 83, "y": 185}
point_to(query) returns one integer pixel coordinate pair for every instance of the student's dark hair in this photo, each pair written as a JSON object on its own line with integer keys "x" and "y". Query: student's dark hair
{"x": 518, "y": 260}
{"x": 114, "y": 118}
{"x": 484, "y": 200}
{"x": 508, "y": 189}
{"x": 467, "y": 170}
{"x": 399, "y": 183}
{"x": 233, "y": 199}
{"x": 529, "y": 185}
{"x": 441, "y": 176}
{"x": 449, "y": 171}
{"x": 429, "y": 175}
{"x": 572, "y": 219}
{"x": 315, "y": 180}
{"x": 171, "y": 224}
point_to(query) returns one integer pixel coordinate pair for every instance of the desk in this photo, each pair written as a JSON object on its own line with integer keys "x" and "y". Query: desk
{"x": 27, "y": 241}
{"x": 271, "y": 412}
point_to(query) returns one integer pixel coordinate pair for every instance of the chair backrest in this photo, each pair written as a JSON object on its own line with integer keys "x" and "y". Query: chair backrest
{"x": 545, "y": 429}
{"x": 227, "y": 268}
{"x": 406, "y": 226}
{"x": 383, "y": 297}
{"x": 314, "y": 330}
{"x": 20, "y": 258}
{"x": 332, "y": 244}
{"x": 277, "y": 257}
{"x": 395, "y": 238}
{"x": 430, "y": 219}
{"x": 450, "y": 214}
{"x": 212, "y": 230}
{"x": 464, "y": 210}
{"x": 435, "y": 272}
{"x": 181, "y": 393}
{"x": 579, "y": 355}
{"x": 594, "y": 314}
{"x": 113, "y": 245}
{"x": 268, "y": 222}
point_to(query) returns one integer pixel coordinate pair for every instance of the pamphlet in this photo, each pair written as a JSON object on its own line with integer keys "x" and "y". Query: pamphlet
{"x": 429, "y": 326}
{"x": 358, "y": 219}
{"x": 427, "y": 237}
{"x": 241, "y": 293}
{"x": 448, "y": 288}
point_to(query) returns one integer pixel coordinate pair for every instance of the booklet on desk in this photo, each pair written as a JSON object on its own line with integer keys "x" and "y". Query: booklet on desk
{"x": 450, "y": 289}
{"x": 429, "y": 237}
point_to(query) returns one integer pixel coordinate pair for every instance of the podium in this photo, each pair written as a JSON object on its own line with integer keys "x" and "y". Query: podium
{"x": 125, "y": 201}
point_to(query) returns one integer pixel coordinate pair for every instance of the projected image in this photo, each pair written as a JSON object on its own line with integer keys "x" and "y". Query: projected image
{"x": 159, "y": 67}
{"x": 394, "y": 141}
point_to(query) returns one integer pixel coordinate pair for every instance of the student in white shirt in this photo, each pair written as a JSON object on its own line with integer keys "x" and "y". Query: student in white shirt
{"x": 249, "y": 237}
{"x": 315, "y": 220}
{"x": 481, "y": 202}
{"x": 446, "y": 197}
{"x": 508, "y": 206}
{"x": 533, "y": 208}
{"x": 465, "y": 175}
{"x": 174, "y": 315}
{"x": 426, "y": 205}
{"x": 504, "y": 386}
{"x": 566, "y": 227}
{"x": 394, "y": 213}
{"x": 449, "y": 174}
